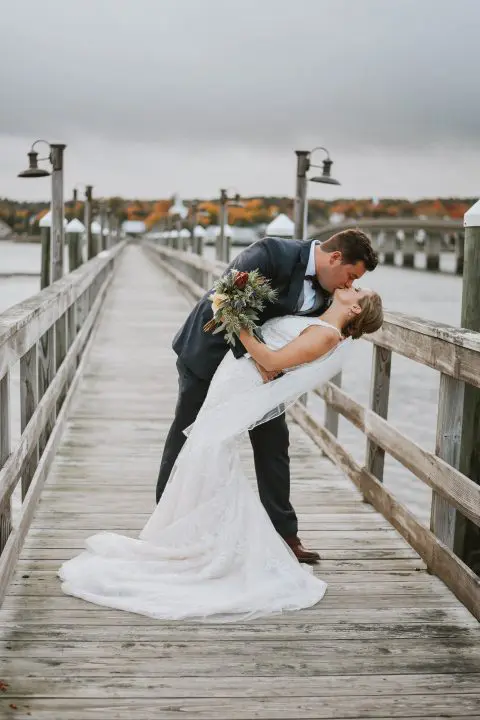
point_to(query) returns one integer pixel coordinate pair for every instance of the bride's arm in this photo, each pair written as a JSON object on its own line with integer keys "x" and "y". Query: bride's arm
{"x": 311, "y": 344}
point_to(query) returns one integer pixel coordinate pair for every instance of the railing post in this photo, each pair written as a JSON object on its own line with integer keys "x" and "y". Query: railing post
{"x": 88, "y": 222}
{"x": 178, "y": 228}
{"x": 28, "y": 404}
{"x": 300, "y": 207}
{"x": 45, "y": 259}
{"x": 433, "y": 245}
{"x": 46, "y": 373}
{"x": 470, "y": 319}
{"x": 331, "y": 416}
{"x": 57, "y": 230}
{"x": 389, "y": 247}
{"x": 445, "y": 522}
{"x": 103, "y": 225}
{"x": 6, "y": 505}
{"x": 220, "y": 253}
{"x": 379, "y": 394}
{"x": 459, "y": 252}
{"x": 60, "y": 351}
{"x": 408, "y": 249}
{"x": 74, "y": 250}
{"x": 71, "y": 333}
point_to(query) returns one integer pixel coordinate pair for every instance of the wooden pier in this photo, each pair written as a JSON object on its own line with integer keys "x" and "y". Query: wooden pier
{"x": 389, "y": 640}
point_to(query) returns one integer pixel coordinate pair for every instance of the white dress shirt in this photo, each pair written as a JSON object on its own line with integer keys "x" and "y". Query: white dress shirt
{"x": 308, "y": 291}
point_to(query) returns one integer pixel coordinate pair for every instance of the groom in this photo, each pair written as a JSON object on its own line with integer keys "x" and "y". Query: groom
{"x": 305, "y": 274}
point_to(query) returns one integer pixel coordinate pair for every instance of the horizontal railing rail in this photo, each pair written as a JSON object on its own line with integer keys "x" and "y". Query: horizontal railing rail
{"x": 47, "y": 334}
{"x": 455, "y": 353}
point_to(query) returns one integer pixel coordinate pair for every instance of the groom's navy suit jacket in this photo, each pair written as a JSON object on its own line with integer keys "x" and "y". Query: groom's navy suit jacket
{"x": 282, "y": 261}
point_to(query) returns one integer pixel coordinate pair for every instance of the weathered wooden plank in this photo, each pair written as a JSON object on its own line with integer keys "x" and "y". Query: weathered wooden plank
{"x": 468, "y": 533}
{"x": 421, "y": 580}
{"x": 28, "y": 404}
{"x": 323, "y": 540}
{"x": 344, "y": 600}
{"x": 336, "y": 565}
{"x": 334, "y": 553}
{"x": 61, "y": 346}
{"x": 82, "y": 614}
{"x": 421, "y": 585}
{"x": 285, "y": 632}
{"x": 72, "y": 330}
{"x": 241, "y": 687}
{"x": 46, "y": 373}
{"x": 379, "y": 394}
{"x": 124, "y": 522}
{"x": 328, "y": 657}
{"x": 5, "y": 502}
{"x": 448, "y": 439}
{"x": 314, "y": 707}
{"x": 331, "y": 416}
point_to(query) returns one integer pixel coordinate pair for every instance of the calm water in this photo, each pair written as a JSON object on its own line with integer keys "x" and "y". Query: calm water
{"x": 414, "y": 389}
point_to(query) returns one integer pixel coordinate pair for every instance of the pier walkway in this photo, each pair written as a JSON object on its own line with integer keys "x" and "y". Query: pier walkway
{"x": 389, "y": 640}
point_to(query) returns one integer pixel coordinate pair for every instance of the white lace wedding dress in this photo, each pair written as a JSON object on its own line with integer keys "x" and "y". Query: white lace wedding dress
{"x": 209, "y": 550}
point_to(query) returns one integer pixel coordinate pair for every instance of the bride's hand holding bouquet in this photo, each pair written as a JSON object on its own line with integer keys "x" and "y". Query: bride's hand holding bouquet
{"x": 237, "y": 299}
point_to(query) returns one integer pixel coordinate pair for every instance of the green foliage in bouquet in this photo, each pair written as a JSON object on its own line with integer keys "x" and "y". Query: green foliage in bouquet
{"x": 237, "y": 299}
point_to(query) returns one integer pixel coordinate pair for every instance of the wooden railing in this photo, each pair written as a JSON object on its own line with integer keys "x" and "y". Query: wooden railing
{"x": 455, "y": 353}
{"x": 385, "y": 232}
{"x": 47, "y": 334}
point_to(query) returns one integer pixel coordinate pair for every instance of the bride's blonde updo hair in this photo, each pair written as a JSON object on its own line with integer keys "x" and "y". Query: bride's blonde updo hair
{"x": 368, "y": 320}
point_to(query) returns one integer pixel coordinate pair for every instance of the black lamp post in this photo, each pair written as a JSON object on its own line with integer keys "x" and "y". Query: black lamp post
{"x": 303, "y": 166}
{"x": 223, "y": 243}
{"x": 57, "y": 234}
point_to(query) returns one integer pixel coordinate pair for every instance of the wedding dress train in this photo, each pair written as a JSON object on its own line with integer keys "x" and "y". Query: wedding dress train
{"x": 209, "y": 550}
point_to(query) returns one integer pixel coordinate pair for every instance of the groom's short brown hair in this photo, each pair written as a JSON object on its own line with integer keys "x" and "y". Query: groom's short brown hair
{"x": 354, "y": 245}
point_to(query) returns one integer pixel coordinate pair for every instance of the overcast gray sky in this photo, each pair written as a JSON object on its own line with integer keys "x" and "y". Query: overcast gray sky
{"x": 158, "y": 96}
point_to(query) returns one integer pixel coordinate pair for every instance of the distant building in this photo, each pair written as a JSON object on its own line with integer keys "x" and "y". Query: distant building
{"x": 281, "y": 226}
{"x": 178, "y": 209}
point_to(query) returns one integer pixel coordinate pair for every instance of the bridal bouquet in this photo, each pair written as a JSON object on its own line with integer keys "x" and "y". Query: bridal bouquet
{"x": 237, "y": 298}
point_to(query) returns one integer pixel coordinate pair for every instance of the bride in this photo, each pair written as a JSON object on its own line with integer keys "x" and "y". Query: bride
{"x": 209, "y": 550}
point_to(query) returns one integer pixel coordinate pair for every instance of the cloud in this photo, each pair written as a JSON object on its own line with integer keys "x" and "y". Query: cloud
{"x": 204, "y": 78}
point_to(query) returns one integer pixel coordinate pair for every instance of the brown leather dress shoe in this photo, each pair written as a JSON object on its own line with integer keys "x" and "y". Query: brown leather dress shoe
{"x": 301, "y": 553}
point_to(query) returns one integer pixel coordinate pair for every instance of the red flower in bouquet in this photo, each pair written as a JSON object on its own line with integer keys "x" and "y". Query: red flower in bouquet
{"x": 241, "y": 280}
